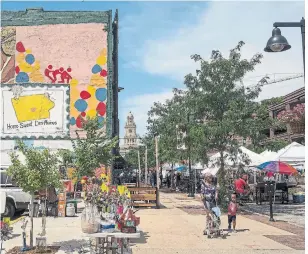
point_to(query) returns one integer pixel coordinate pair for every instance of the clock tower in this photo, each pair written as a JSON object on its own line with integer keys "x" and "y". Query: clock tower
{"x": 130, "y": 137}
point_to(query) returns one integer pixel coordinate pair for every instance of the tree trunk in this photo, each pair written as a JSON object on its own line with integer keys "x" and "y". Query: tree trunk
{"x": 31, "y": 219}
{"x": 44, "y": 207}
{"x": 222, "y": 182}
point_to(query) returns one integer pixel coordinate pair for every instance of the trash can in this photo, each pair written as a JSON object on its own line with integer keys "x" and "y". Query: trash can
{"x": 70, "y": 210}
{"x": 298, "y": 198}
{"x": 73, "y": 202}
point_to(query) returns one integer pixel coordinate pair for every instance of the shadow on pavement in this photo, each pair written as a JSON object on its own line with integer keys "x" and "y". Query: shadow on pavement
{"x": 142, "y": 240}
{"x": 238, "y": 230}
{"x": 72, "y": 246}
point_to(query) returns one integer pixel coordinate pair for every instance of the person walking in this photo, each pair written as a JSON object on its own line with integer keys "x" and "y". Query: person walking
{"x": 209, "y": 195}
{"x": 168, "y": 179}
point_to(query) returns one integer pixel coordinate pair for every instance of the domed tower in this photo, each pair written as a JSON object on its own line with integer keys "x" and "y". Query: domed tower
{"x": 130, "y": 137}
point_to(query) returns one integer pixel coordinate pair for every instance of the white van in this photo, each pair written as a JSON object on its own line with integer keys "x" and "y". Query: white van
{"x": 17, "y": 201}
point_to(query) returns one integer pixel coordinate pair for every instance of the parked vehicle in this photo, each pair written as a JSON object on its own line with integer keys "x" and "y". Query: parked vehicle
{"x": 17, "y": 201}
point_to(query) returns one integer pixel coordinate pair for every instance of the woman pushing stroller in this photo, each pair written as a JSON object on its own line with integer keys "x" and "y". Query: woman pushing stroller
{"x": 209, "y": 195}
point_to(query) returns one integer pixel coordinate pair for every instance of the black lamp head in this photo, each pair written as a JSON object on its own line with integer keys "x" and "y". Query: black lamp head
{"x": 277, "y": 43}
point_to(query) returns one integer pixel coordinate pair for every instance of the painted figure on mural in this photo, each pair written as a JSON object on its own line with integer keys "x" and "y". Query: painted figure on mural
{"x": 52, "y": 74}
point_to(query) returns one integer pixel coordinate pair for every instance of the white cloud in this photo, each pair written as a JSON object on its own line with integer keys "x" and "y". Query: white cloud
{"x": 222, "y": 26}
{"x": 139, "y": 106}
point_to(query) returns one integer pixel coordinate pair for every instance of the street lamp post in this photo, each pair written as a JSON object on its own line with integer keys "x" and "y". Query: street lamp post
{"x": 157, "y": 162}
{"x": 191, "y": 177}
{"x": 139, "y": 169}
{"x": 278, "y": 43}
{"x": 146, "y": 165}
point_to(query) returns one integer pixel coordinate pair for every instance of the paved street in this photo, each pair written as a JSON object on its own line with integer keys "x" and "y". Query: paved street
{"x": 292, "y": 213}
{"x": 177, "y": 228}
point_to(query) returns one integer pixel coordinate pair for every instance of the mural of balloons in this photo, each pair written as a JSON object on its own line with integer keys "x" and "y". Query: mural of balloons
{"x": 22, "y": 77}
{"x": 85, "y": 100}
{"x": 90, "y": 101}
{"x": 81, "y": 105}
{"x": 101, "y": 94}
{"x": 28, "y": 69}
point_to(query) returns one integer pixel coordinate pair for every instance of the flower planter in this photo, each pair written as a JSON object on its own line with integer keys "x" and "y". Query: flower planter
{"x": 297, "y": 127}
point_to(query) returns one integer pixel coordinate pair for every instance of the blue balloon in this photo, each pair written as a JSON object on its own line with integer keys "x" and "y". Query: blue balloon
{"x": 30, "y": 59}
{"x": 22, "y": 77}
{"x": 81, "y": 105}
{"x": 73, "y": 121}
{"x": 101, "y": 94}
{"x": 96, "y": 69}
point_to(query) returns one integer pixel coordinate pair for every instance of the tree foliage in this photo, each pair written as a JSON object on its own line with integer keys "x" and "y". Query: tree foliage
{"x": 94, "y": 150}
{"x": 214, "y": 107}
{"x": 39, "y": 171}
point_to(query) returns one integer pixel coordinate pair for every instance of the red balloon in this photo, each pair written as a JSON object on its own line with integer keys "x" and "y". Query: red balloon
{"x": 20, "y": 47}
{"x": 79, "y": 122}
{"x": 85, "y": 95}
{"x": 83, "y": 114}
{"x": 103, "y": 73}
{"x": 101, "y": 108}
{"x": 17, "y": 70}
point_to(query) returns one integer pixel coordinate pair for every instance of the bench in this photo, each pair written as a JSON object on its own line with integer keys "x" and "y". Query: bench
{"x": 144, "y": 196}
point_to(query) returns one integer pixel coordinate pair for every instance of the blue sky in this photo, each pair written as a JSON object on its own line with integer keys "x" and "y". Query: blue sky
{"x": 157, "y": 39}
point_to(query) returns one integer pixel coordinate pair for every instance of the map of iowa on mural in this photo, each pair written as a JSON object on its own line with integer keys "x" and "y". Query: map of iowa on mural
{"x": 35, "y": 111}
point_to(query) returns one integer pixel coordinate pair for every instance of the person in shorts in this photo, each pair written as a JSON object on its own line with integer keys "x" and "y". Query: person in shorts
{"x": 232, "y": 209}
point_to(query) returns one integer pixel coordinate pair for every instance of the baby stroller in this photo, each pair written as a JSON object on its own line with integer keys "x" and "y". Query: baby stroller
{"x": 213, "y": 224}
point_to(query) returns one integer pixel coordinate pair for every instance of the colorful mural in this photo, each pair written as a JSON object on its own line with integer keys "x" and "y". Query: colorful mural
{"x": 74, "y": 54}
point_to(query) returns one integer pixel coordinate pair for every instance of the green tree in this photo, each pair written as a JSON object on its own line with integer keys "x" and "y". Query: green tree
{"x": 217, "y": 95}
{"x": 131, "y": 158}
{"x": 94, "y": 150}
{"x": 38, "y": 172}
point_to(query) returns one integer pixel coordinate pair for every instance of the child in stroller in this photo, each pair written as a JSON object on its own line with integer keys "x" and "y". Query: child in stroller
{"x": 213, "y": 224}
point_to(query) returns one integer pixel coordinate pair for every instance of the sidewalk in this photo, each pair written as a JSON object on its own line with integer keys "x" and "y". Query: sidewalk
{"x": 176, "y": 228}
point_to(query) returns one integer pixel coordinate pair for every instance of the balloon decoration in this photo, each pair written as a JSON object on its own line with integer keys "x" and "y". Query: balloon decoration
{"x": 90, "y": 102}
{"x": 28, "y": 69}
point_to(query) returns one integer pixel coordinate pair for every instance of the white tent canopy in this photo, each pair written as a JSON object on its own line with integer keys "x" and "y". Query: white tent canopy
{"x": 254, "y": 158}
{"x": 268, "y": 155}
{"x": 294, "y": 152}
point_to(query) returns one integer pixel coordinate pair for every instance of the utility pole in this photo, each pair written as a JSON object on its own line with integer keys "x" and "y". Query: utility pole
{"x": 146, "y": 165}
{"x": 157, "y": 162}
{"x": 139, "y": 169}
